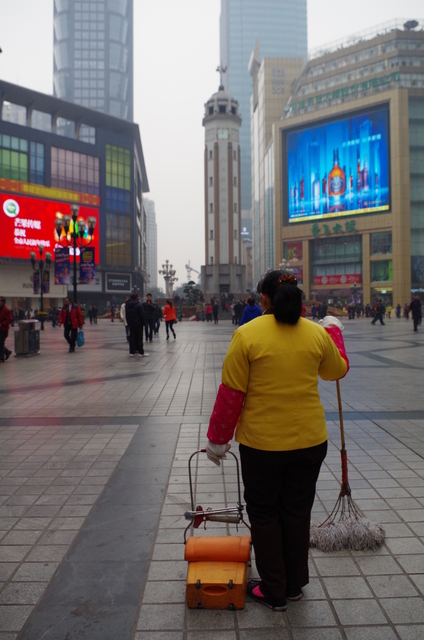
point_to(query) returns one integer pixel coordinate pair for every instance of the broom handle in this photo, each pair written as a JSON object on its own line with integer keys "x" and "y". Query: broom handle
{"x": 343, "y": 449}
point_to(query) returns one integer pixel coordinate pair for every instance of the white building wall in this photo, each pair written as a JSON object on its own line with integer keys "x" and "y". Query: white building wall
{"x": 152, "y": 242}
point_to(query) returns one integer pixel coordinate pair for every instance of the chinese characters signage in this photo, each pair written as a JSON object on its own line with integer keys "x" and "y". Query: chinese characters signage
{"x": 27, "y": 222}
{"x": 87, "y": 266}
{"x": 347, "y": 278}
{"x": 330, "y": 229}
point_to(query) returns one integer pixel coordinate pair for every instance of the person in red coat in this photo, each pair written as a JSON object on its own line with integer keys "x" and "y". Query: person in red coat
{"x": 6, "y": 319}
{"x": 71, "y": 318}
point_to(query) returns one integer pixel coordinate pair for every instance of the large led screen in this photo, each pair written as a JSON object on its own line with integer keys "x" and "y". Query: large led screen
{"x": 27, "y": 222}
{"x": 339, "y": 168}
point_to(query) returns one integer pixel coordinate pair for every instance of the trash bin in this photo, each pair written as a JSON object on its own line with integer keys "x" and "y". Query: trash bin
{"x": 27, "y": 338}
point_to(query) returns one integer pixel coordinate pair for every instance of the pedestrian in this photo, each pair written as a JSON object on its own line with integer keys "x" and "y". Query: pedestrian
{"x": 150, "y": 314}
{"x": 136, "y": 320}
{"x": 208, "y": 312}
{"x": 158, "y": 316}
{"x": 6, "y": 319}
{"x": 398, "y": 311}
{"x": 90, "y": 314}
{"x": 379, "y": 312}
{"x": 389, "y": 311}
{"x": 198, "y": 311}
{"x": 251, "y": 311}
{"x": 170, "y": 318}
{"x": 406, "y": 311}
{"x": 269, "y": 393}
{"x": 215, "y": 310}
{"x": 71, "y": 318}
{"x": 123, "y": 314}
{"x": 416, "y": 309}
{"x": 233, "y": 313}
{"x": 180, "y": 313}
{"x": 238, "y": 308}
{"x": 95, "y": 311}
{"x": 112, "y": 313}
{"x": 54, "y": 316}
{"x": 314, "y": 311}
{"x": 82, "y": 309}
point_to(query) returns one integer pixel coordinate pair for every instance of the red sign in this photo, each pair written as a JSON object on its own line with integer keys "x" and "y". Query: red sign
{"x": 27, "y": 222}
{"x": 348, "y": 278}
{"x": 294, "y": 250}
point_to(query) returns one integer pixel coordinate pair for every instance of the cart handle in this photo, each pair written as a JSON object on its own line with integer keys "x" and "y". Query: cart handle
{"x": 191, "y": 481}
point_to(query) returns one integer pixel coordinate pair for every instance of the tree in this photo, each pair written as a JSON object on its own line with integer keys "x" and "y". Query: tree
{"x": 192, "y": 292}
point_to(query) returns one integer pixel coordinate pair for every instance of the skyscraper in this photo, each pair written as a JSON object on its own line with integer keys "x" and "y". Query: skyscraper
{"x": 152, "y": 243}
{"x": 280, "y": 26}
{"x": 93, "y": 54}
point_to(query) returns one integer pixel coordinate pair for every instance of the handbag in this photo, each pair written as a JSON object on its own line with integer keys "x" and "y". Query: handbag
{"x": 80, "y": 339}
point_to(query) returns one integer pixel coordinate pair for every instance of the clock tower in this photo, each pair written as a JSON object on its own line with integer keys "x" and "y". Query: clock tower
{"x": 223, "y": 271}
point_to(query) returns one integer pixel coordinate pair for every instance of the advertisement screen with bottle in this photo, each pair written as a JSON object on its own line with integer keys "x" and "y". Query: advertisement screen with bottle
{"x": 340, "y": 168}
{"x": 26, "y": 223}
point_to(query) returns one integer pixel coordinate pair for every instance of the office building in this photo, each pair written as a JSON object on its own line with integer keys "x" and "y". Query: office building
{"x": 348, "y": 158}
{"x": 93, "y": 55}
{"x": 223, "y": 272}
{"x": 272, "y": 79}
{"x": 152, "y": 243}
{"x": 42, "y": 173}
{"x": 281, "y": 29}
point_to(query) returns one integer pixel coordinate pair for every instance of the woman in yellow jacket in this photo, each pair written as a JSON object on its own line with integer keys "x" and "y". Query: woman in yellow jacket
{"x": 170, "y": 318}
{"x": 269, "y": 391}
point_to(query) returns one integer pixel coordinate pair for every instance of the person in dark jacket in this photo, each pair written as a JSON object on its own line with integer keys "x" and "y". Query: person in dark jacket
{"x": 136, "y": 321}
{"x": 71, "y": 318}
{"x": 6, "y": 319}
{"x": 150, "y": 313}
{"x": 238, "y": 308}
{"x": 416, "y": 310}
{"x": 380, "y": 310}
{"x": 215, "y": 310}
{"x": 158, "y": 316}
{"x": 251, "y": 311}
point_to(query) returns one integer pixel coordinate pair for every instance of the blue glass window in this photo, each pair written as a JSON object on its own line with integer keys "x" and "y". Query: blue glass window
{"x": 118, "y": 199}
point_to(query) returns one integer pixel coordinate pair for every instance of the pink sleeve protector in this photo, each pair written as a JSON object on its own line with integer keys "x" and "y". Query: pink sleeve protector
{"x": 336, "y": 336}
{"x": 225, "y": 414}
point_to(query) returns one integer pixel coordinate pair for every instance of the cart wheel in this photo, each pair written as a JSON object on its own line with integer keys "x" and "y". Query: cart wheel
{"x": 198, "y": 584}
{"x": 230, "y": 584}
{"x": 231, "y": 607}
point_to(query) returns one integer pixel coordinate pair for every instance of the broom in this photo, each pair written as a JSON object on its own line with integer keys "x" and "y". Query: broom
{"x": 346, "y": 527}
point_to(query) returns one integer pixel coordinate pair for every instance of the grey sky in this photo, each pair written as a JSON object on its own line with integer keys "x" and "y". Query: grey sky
{"x": 176, "y": 53}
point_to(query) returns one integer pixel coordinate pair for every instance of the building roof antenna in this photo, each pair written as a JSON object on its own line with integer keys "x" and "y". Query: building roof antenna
{"x": 221, "y": 70}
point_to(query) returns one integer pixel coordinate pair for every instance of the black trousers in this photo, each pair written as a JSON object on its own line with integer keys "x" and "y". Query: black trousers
{"x": 136, "y": 340}
{"x": 71, "y": 336}
{"x": 149, "y": 328}
{"x": 416, "y": 318}
{"x": 379, "y": 316}
{"x": 3, "y": 349}
{"x": 169, "y": 326}
{"x": 279, "y": 494}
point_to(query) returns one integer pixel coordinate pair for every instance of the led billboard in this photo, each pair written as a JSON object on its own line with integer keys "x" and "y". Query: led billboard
{"x": 27, "y": 222}
{"x": 339, "y": 168}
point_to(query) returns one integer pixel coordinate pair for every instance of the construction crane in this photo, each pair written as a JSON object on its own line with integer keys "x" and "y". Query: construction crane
{"x": 189, "y": 270}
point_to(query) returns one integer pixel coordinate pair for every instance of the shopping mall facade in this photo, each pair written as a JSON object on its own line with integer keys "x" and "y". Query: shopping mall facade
{"x": 348, "y": 171}
{"x": 54, "y": 154}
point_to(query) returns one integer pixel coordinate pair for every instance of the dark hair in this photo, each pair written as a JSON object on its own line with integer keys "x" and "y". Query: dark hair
{"x": 170, "y": 303}
{"x": 148, "y": 294}
{"x": 133, "y": 296}
{"x": 286, "y": 297}
{"x": 251, "y": 301}
{"x": 3, "y": 300}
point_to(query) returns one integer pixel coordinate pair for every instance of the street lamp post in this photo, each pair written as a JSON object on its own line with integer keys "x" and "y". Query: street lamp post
{"x": 40, "y": 267}
{"x": 74, "y": 235}
{"x": 168, "y": 274}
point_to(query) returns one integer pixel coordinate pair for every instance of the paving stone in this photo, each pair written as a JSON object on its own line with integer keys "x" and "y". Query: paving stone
{"x": 404, "y": 610}
{"x": 341, "y": 588}
{"x": 22, "y": 593}
{"x": 410, "y": 632}
{"x": 35, "y": 572}
{"x": 371, "y": 633}
{"x": 392, "y": 586}
{"x": 161, "y": 617}
{"x": 13, "y": 618}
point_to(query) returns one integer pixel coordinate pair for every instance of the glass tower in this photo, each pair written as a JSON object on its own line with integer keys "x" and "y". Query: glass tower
{"x": 280, "y": 26}
{"x": 93, "y": 54}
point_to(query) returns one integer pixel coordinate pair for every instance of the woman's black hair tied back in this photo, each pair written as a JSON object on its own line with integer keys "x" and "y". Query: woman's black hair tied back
{"x": 284, "y": 294}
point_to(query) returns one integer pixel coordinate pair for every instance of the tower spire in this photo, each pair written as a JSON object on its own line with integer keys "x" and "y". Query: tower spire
{"x": 221, "y": 71}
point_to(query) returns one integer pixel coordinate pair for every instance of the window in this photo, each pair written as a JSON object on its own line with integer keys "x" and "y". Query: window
{"x": 235, "y": 207}
{"x": 235, "y": 234}
{"x": 235, "y": 182}
{"x": 235, "y": 155}
{"x": 233, "y": 111}
{"x": 222, "y": 108}
{"x": 211, "y": 207}
{"x": 75, "y": 171}
{"x": 210, "y": 111}
{"x": 118, "y": 240}
{"x": 36, "y": 166}
{"x": 211, "y": 259}
{"x": 381, "y": 271}
{"x": 211, "y": 181}
{"x": 118, "y": 167}
{"x": 210, "y": 155}
{"x": 13, "y": 158}
{"x": 381, "y": 243}
{"x": 118, "y": 199}
{"x": 211, "y": 235}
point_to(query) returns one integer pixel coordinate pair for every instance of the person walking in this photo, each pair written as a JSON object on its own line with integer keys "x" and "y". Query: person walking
{"x": 215, "y": 310}
{"x": 415, "y": 308}
{"x": 406, "y": 311}
{"x": 389, "y": 311}
{"x": 6, "y": 319}
{"x": 398, "y": 311}
{"x": 90, "y": 313}
{"x": 95, "y": 312}
{"x": 158, "y": 316}
{"x": 136, "y": 320}
{"x": 150, "y": 313}
{"x": 233, "y": 313}
{"x": 238, "y": 308}
{"x": 208, "y": 312}
{"x": 170, "y": 318}
{"x": 112, "y": 313}
{"x": 123, "y": 315}
{"x": 379, "y": 312}
{"x": 71, "y": 318}
{"x": 54, "y": 316}
{"x": 269, "y": 394}
{"x": 251, "y": 311}
{"x": 314, "y": 311}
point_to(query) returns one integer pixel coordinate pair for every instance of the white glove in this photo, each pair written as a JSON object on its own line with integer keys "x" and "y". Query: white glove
{"x": 331, "y": 321}
{"x": 216, "y": 452}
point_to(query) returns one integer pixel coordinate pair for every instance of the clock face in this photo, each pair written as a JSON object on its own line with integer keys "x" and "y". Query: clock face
{"x": 223, "y": 134}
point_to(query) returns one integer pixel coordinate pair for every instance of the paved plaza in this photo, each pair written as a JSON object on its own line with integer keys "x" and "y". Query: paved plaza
{"x": 93, "y": 486}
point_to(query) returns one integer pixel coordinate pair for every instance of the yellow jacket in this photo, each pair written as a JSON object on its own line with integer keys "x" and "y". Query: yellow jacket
{"x": 277, "y": 367}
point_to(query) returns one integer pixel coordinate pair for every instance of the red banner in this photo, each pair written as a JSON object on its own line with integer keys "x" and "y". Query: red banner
{"x": 348, "y": 278}
{"x": 27, "y": 222}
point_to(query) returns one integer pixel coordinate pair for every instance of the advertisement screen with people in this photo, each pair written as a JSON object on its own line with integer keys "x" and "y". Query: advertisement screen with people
{"x": 26, "y": 223}
{"x": 339, "y": 168}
